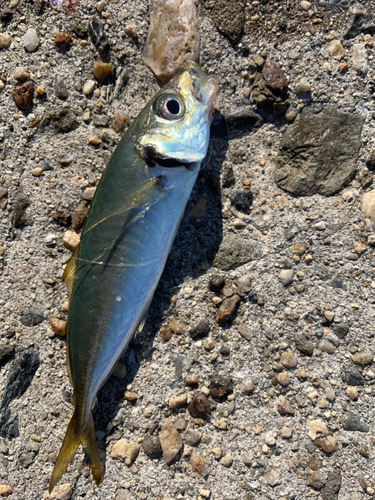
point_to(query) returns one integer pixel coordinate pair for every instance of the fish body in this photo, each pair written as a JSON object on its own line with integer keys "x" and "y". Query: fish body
{"x": 128, "y": 235}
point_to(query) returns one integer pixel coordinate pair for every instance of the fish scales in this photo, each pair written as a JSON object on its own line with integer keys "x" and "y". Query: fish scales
{"x": 128, "y": 235}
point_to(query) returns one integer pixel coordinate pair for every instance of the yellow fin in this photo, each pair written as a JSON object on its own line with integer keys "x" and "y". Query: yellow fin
{"x": 70, "y": 271}
{"x": 73, "y": 437}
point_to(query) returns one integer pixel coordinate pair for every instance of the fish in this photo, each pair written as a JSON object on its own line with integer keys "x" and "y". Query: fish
{"x": 113, "y": 273}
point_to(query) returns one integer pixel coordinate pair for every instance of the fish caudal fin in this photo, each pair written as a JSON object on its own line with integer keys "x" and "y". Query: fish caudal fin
{"x": 76, "y": 435}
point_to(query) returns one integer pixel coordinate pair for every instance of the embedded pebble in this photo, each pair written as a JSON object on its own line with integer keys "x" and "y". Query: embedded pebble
{"x": 126, "y": 451}
{"x": 284, "y": 407}
{"x": 101, "y": 70}
{"x": 289, "y": 359}
{"x": 177, "y": 401}
{"x": 152, "y": 447}
{"x": 286, "y": 276}
{"x": 329, "y": 444}
{"x": 272, "y": 477}
{"x": 171, "y": 443}
{"x": 220, "y": 387}
{"x": 326, "y": 346}
{"x": 283, "y": 378}
{"x": 363, "y": 357}
{"x": 352, "y": 392}
{"x": 199, "y": 407}
{"x": 63, "y": 39}
{"x": 228, "y": 308}
{"x": 23, "y": 95}
{"x": 359, "y": 58}
{"x": 21, "y": 73}
{"x": 5, "y": 40}
{"x": 172, "y": 38}
{"x": 98, "y": 36}
{"x": 60, "y": 88}
{"x": 88, "y": 87}
{"x": 71, "y": 240}
{"x": 317, "y": 428}
{"x": 336, "y": 50}
{"x": 58, "y": 326}
{"x": 60, "y": 492}
{"x": 30, "y": 39}
{"x": 302, "y": 86}
{"x": 192, "y": 437}
{"x": 88, "y": 193}
{"x": 199, "y": 465}
{"x": 5, "y": 489}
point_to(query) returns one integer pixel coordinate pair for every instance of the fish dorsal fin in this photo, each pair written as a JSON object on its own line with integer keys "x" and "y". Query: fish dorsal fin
{"x": 70, "y": 271}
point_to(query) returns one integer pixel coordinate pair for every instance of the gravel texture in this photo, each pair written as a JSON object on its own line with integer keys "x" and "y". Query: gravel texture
{"x": 253, "y": 376}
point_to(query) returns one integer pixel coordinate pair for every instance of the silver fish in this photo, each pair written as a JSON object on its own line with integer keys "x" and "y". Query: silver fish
{"x": 133, "y": 220}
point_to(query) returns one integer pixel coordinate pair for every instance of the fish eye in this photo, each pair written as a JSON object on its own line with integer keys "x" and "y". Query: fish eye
{"x": 170, "y": 107}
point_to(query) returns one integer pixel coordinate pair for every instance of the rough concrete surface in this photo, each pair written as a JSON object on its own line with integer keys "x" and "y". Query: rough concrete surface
{"x": 266, "y": 305}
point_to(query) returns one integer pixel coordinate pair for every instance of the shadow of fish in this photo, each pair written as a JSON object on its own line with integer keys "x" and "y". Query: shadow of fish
{"x": 112, "y": 275}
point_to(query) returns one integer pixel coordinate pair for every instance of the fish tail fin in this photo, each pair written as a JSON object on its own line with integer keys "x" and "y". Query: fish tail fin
{"x": 75, "y": 435}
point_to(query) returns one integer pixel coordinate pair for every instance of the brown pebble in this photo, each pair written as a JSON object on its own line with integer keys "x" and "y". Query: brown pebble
{"x": 71, "y": 240}
{"x": 360, "y": 248}
{"x": 199, "y": 407}
{"x": 165, "y": 334}
{"x": 343, "y": 67}
{"x": 130, "y": 396}
{"x": 191, "y": 381}
{"x": 220, "y": 387}
{"x": 23, "y": 95}
{"x": 120, "y": 121}
{"x": 101, "y": 70}
{"x": 88, "y": 193}
{"x": 36, "y": 172}
{"x": 94, "y": 140}
{"x": 40, "y": 91}
{"x": 79, "y": 216}
{"x": 199, "y": 465}
{"x": 63, "y": 39}
{"x": 329, "y": 444}
{"x": 299, "y": 248}
{"x": 274, "y": 76}
{"x": 58, "y": 326}
{"x": 5, "y": 490}
{"x": 284, "y": 407}
{"x": 228, "y": 308}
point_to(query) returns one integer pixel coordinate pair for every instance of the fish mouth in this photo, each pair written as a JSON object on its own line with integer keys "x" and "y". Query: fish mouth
{"x": 152, "y": 158}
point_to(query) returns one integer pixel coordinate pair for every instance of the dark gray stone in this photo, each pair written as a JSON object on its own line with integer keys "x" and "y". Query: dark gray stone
{"x": 242, "y": 122}
{"x": 318, "y": 152}
{"x": 236, "y": 250}
{"x": 19, "y": 379}
{"x": 340, "y": 330}
{"x": 229, "y": 18}
{"x": 60, "y": 88}
{"x": 200, "y": 328}
{"x": 6, "y": 353}
{"x": 304, "y": 345}
{"x": 351, "y": 422}
{"x": 242, "y": 200}
{"x": 98, "y": 37}
{"x": 26, "y": 458}
{"x": 353, "y": 377}
{"x": 333, "y": 485}
{"x": 32, "y": 317}
{"x": 151, "y": 446}
{"x": 192, "y": 437}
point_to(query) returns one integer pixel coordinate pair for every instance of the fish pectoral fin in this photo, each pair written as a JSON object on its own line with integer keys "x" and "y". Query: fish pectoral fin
{"x": 70, "y": 271}
{"x": 75, "y": 435}
{"x": 147, "y": 192}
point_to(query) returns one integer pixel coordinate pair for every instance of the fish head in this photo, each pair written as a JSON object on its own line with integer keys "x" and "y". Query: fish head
{"x": 177, "y": 128}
